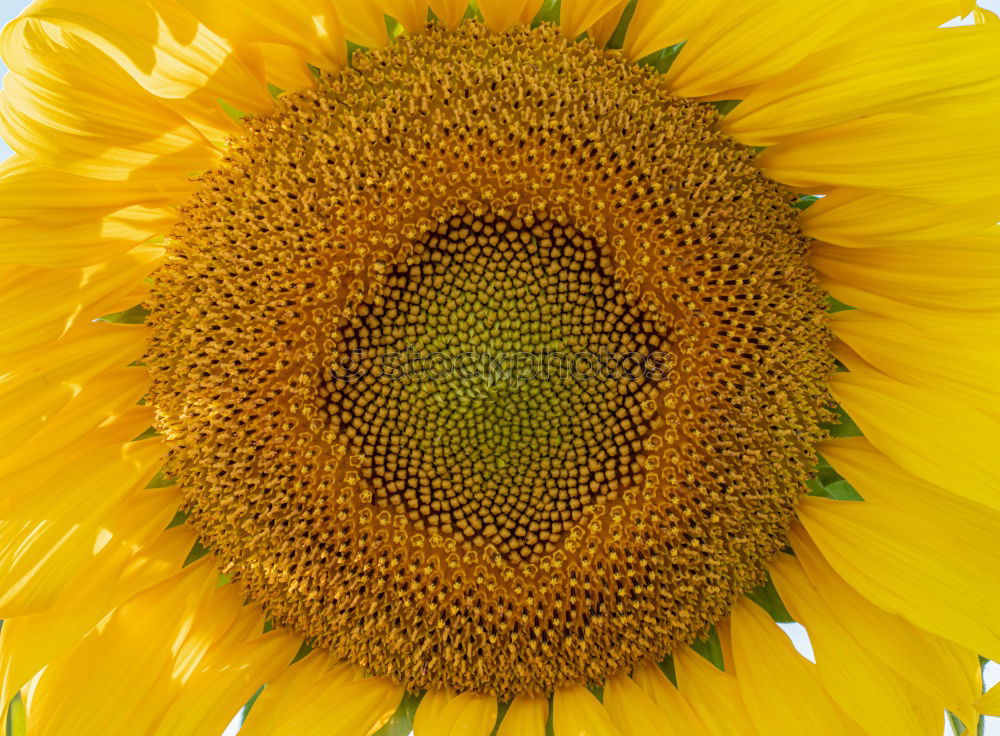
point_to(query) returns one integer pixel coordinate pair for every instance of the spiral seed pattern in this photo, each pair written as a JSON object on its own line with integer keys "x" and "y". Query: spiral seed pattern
{"x": 504, "y": 193}
{"x": 500, "y": 384}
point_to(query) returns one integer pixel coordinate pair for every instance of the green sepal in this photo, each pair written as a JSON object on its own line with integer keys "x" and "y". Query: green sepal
{"x": 132, "y": 316}
{"x": 956, "y": 724}
{"x": 844, "y": 427}
{"x": 981, "y": 725}
{"x": 17, "y": 718}
{"x": 198, "y": 551}
{"x": 160, "y": 480}
{"x": 147, "y": 434}
{"x": 502, "y": 709}
{"x": 352, "y": 49}
{"x": 840, "y": 490}
{"x": 662, "y": 59}
{"x": 253, "y": 699}
{"x": 393, "y": 27}
{"x": 766, "y": 596}
{"x": 550, "y": 729}
{"x": 617, "y": 39}
{"x": 836, "y": 305}
{"x": 667, "y": 667}
{"x": 179, "y": 518}
{"x": 232, "y": 112}
{"x": 304, "y": 650}
{"x": 401, "y": 722}
{"x": 724, "y": 107}
{"x": 828, "y": 483}
{"x": 548, "y": 13}
{"x": 472, "y": 12}
{"x": 711, "y": 649}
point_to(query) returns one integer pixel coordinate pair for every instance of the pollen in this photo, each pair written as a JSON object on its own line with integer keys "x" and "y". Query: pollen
{"x": 488, "y": 365}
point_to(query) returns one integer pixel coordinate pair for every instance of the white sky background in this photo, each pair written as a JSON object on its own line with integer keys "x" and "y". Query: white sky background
{"x": 10, "y": 8}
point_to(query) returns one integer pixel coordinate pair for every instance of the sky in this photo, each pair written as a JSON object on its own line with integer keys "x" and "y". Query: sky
{"x": 10, "y": 8}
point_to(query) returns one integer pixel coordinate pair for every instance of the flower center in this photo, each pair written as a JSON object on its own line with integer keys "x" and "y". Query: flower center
{"x": 499, "y": 384}
{"x": 488, "y": 365}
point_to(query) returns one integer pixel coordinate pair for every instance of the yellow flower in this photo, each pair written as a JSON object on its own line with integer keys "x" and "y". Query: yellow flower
{"x": 516, "y": 371}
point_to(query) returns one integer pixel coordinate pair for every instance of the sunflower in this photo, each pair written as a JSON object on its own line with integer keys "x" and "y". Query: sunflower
{"x": 499, "y": 368}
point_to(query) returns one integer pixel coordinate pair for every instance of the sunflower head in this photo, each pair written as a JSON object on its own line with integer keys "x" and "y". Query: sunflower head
{"x": 490, "y": 323}
{"x": 492, "y": 353}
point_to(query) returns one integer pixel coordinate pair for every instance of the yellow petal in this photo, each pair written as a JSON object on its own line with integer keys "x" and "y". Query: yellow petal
{"x": 781, "y": 689}
{"x": 466, "y": 714}
{"x": 989, "y": 704}
{"x": 501, "y": 15}
{"x": 155, "y": 552}
{"x": 36, "y": 384}
{"x": 163, "y": 47}
{"x": 577, "y": 16}
{"x": 104, "y": 237}
{"x": 29, "y": 193}
{"x": 942, "y": 670}
{"x": 960, "y": 321}
{"x": 747, "y": 41}
{"x": 525, "y": 717}
{"x": 657, "y": 25}
{"x": 268, "y": 710}
{"x": 248, "y": 625}
{"x": 412, "y": 14}
{"x": 890, "y": 154}
{"x": 925, "y": 431}
{"x": 656, "y": 685}
{"x": 575, "y": 712}
{"x": 310, "y": 25}
{"x": 876, "y": 220}
{"x": 71, "y": 108}
{"x": 602, "y": 29}
{"x": 961, "y": 275}
{"x": 101, "y": 685}
{"x": 39, "y": 560}
{"x": 965, "y": 366}
{"x": 218, "y": 616}
{"x": 942, "y": 587}
{"x": 84, "y": 484}
{"x": 336, "y": 708}
{"x": 286, "y": 67}
{"x": 449, "y": 12}
{"x": 634, "y": 713}
{"x": 38, "y": 305}
{"x": 109, "y": 399}
{"x": 713, "y": 695}
{"x": 363, "y": 23}
{"x": 207, "y": 115}
{"x": 864, "y": 687}
{"x": 966, "y": 529}
{"x": 226, "y": 680}
{"x": 983, "y": 15}
{"x": 105, "y": 581}
{"x": 430, "y": 707}
{"x": 940, "y": 70}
